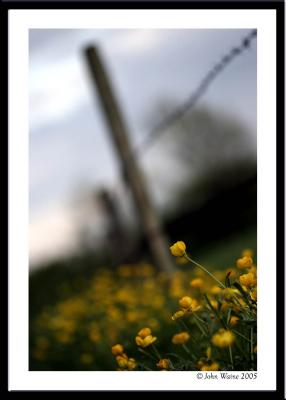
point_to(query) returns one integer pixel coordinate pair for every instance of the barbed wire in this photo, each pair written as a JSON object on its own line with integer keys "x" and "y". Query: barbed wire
{"x": 203, "y": 86}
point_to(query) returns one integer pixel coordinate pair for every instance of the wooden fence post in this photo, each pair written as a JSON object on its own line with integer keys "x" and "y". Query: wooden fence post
{"x": 150, "y": 222}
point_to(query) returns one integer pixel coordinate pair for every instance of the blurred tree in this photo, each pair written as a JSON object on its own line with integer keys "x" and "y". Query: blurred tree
{"x": 208, "y": 151}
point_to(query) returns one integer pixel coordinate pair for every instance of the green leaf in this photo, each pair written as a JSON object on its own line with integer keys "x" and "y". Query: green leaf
{"x": 228, "y": 316}
{"x": 227, "y": 280}
{"x": 243, "y": 293}
{"x": 215, "y": 312}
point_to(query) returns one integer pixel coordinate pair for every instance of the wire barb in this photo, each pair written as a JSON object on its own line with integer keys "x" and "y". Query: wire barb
{"x": 203, "y": 86}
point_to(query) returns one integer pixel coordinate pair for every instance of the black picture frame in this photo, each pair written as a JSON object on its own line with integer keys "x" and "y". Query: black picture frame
{"x": 87, "y": 4}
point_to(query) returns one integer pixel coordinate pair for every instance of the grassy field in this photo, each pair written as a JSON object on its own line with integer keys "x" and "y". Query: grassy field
{"x": 79, "y": 310}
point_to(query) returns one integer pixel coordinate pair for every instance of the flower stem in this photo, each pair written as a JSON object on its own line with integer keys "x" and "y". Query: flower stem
{"x": 251, "y": 344}
{"x": 240, "y": 349}
{"x": 240, "y": 334}
{"x": 146, "y": 353}
{"x": 199, "y": 325}
{"x": 156, "y": 351}
{"x": 205, "y": 270}
{"x": 184, "y": 325}
{"x": 200, "y": 319}
{"x": 230, "y": 356}
{"x": 186, "y": 349}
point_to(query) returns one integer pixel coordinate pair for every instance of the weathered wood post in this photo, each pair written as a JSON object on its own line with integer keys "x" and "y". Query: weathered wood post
{"x": 150, "y": 222}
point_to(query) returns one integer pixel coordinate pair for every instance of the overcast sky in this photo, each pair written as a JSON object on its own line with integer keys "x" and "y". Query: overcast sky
{"x": 69, "y": 142}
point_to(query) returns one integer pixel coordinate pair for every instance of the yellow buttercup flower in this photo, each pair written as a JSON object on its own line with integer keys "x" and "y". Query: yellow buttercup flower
{"x": 244, "y": 262}
{"x": 178, "y": 249}
{"x": 248, "y": 280}
{"x": 164, "y": 363}
{"x": 253, "y": 269}
{"x": 189, "y": 304}
{"x": 233, "y": 320}
{"x": 181, "y": 338}
{"x": 214, "y": 366}
{"x": 122, "y": 360}
{"x": 185, "y": 302}
{"x": 197, "y": 283}
{"x": 144, "y": 332}
{"x": 229, "y": 293}
{"x": 146, "y": 341}
{"x": 195, "y": 305}
{"x": 214, "y": 303}
{"x": 178, "y": 314}
{"x": 253, "y": 294}
{"x": 215, "y": 290}
{"x": 131, "y": 364}
{"x": 227, "y": 305}
{"x": 223, "y": 338}
{"x": 117, "y": 349}
{"x": 209, "y": 352}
